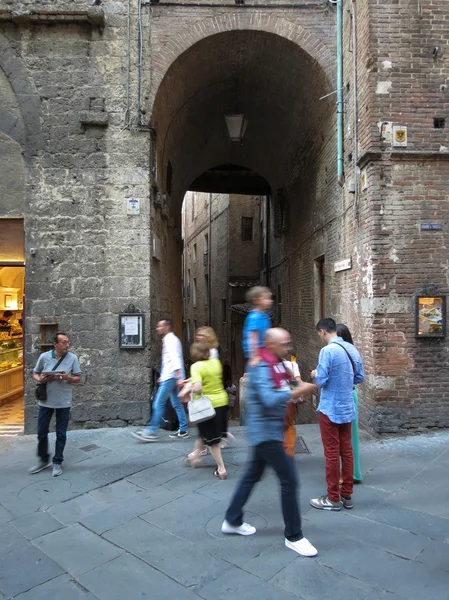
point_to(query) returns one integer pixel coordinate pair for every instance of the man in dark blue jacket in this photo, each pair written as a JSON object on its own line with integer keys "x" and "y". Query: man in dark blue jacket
{"x": 267, "y": 397}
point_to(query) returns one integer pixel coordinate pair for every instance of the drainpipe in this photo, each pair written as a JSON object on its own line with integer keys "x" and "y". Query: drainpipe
{"x": 356, "y": 111}
{"x": 340, "y": 106}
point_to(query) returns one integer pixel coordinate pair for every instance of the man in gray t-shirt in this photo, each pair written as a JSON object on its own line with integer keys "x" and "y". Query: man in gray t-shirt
{"x": 59, "y": 369}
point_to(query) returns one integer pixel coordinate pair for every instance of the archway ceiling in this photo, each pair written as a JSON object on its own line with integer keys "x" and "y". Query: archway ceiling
{"x": 268, "y": 78}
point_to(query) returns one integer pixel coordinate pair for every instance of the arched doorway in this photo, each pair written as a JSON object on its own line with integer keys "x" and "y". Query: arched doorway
{"x": 289, "y": 144}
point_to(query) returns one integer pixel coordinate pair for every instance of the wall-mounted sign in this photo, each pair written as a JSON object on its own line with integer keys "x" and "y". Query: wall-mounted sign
{"x": 343, "y": 265}
{"x": 363, "y": 179}
{"x": 399, "y": 135}
{"x": 430, "y": 317}
{"x": 132, "y": 331}
{"x": 133, "y": 206}
{"x": 430, "y": 226}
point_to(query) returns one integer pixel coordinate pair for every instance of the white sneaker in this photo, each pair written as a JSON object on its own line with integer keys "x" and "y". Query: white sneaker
{"x": 243, "y": 529}
{"x": 57, "y": 470}
{"x": 148, "y": 437}
{"x": 41, "y": 465}
{"x": 302, "y": 547}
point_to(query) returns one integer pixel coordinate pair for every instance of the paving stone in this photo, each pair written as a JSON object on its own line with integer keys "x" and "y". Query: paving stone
{"x": 119, "y": 491}
{"x": 63, "y": 587}
{"x": 202, "y": 526}
{"x": 122, "y": 512}
{"x": 76, "y": 549}
{"x": 24, "y": 568}
{"x": 40, "y": 491}
{"x": 311, "y": 580}
{"x": 5, "y": 515}
{"x": 114, "y": 472}
{"x": 394, "y": 473}
{"x": 218, "y": 490}
{"x": 415, "y": 521}
{"x": 385, "y": 537}
{"x": 410, "y": 579}
{"x": 180, "y": 523}
{"x": 130, "y": 578}
{"x": 35, "y": 525}
{"x": 238, "y": 584}
{"x": 158, "y": 474}
{"x": 180, "y": 510}
{"x": 436, "y": 555}
{"x": 416, "y": 493}
{"x": 176, "y": 557}
{"x": 10, "y": 539}
{"x": 192, "y": 480}
{"x": 269, "y": 562}
{"x": 73, "y": 511}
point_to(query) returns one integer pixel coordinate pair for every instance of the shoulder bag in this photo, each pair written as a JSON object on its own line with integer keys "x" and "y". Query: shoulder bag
{"x": 350, "y": 358}
{"x": 41, "y": 388}
{"x": 200, "y": 409}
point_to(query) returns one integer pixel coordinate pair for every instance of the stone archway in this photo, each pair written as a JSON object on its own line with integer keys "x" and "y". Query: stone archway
{"x": 283, "y": 89}
{"x": 308, "y": 40}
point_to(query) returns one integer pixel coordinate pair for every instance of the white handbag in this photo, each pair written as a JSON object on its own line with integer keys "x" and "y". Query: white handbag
{"x": 200, "y": 409}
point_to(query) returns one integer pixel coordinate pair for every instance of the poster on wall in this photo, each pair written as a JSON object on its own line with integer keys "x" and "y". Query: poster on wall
{"x": 131, "y": 331}
{"x": 430, "y": 316}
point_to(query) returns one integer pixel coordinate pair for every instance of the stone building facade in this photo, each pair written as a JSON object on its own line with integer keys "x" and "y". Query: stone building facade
{"x": 100, "y": 105}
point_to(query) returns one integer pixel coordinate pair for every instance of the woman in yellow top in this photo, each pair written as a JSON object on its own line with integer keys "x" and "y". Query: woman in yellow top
{"x": 206, "y": 378}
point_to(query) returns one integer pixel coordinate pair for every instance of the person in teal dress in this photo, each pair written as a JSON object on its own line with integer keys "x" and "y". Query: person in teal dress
{"x": 343, "y": 332}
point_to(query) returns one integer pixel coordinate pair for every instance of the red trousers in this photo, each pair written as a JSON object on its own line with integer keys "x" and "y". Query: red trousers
{"x": 337, "y": 445}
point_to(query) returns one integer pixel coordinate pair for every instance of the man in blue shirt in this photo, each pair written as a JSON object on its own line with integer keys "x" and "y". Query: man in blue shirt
{"x": 268, "y": 394}
{"x": 339, "y": 369}
{"x": 59, "y": 369}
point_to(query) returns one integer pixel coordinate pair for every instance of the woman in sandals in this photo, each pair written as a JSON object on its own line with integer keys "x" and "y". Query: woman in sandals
{"x": 206, "y": 378}
{"x": 208, "y": 336}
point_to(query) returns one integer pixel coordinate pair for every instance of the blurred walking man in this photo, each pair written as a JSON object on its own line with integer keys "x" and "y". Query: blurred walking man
{"x": 268, "y": 394}
{"x": 172, "y": 376}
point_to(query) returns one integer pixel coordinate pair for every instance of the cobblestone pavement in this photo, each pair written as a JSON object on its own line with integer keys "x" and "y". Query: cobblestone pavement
{"x": 128, "y": 520}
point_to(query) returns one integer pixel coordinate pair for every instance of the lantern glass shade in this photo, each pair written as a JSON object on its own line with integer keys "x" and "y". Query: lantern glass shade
{"x": 236, "y": 127}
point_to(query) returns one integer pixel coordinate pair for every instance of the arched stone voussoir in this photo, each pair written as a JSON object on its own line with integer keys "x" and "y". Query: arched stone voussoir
{"x": 320, "y": 51}
{"x": 26, "y": 94}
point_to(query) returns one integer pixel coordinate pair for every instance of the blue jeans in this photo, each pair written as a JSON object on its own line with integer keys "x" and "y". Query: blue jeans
{"x": 167, "y": 389}
{"x": 43, "y": 424}
{"x": 271, "y": 454}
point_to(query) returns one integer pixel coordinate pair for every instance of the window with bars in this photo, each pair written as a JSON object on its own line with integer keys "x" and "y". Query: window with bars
{"x": 206, "y": 290}
{"x": 320, "y": 270}
{"x": 247, "y": 229}
{"x": 280, "y": 211}
{"x": 194, "y": 292}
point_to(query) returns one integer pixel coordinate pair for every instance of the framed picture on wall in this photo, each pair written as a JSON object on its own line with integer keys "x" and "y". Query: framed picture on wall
{"x": 430, "y": 317}
{"x": 132, "y": 331}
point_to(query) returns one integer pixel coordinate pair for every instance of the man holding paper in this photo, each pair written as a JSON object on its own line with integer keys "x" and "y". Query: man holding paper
{"x": 58, "y": 369}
